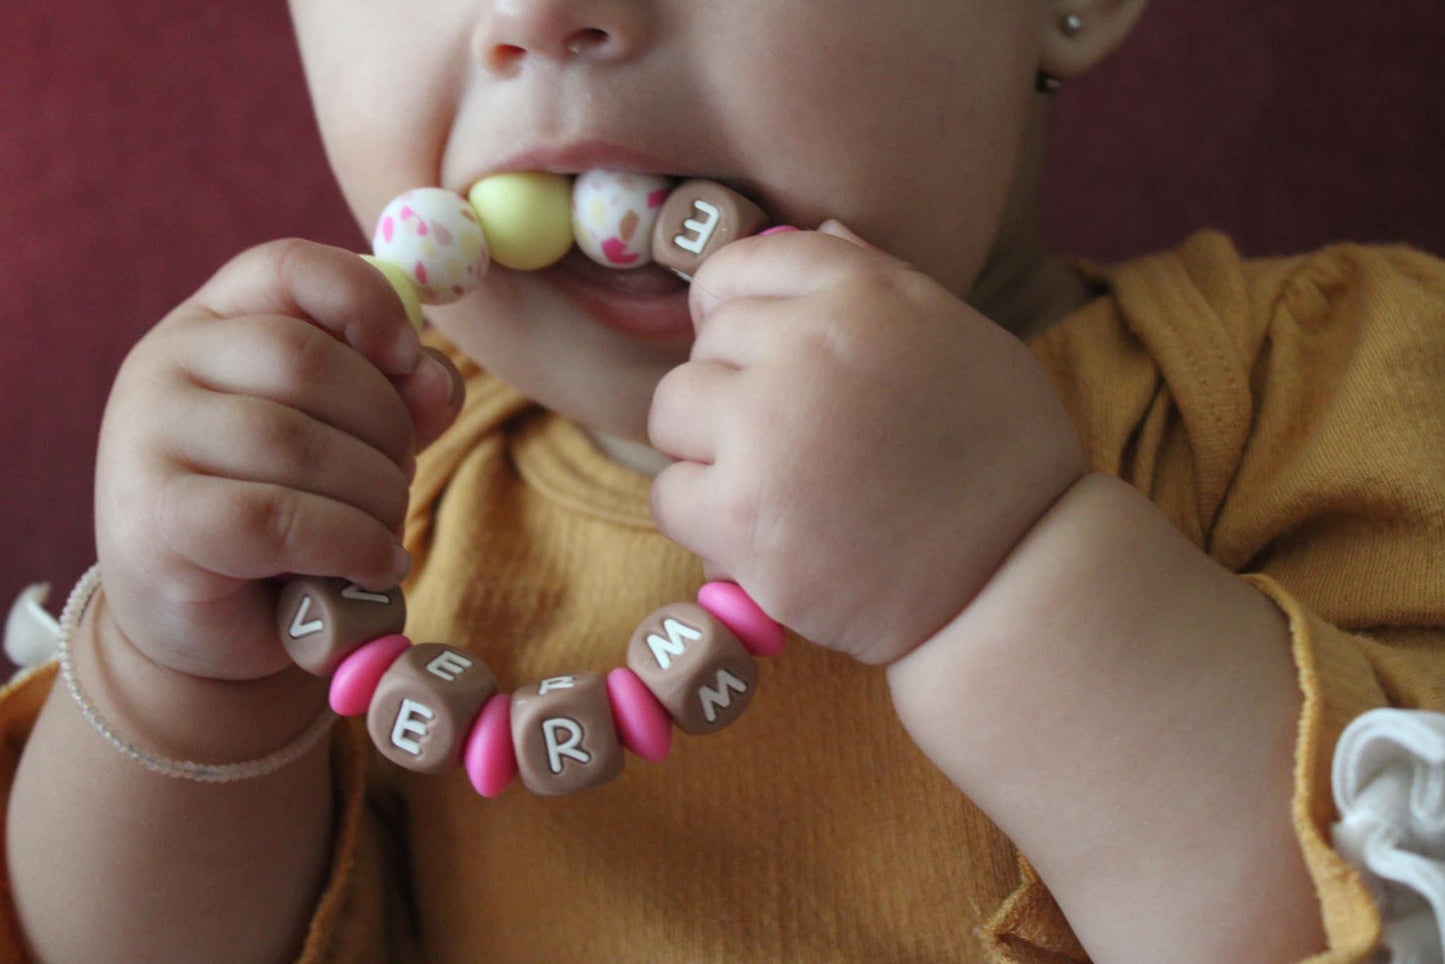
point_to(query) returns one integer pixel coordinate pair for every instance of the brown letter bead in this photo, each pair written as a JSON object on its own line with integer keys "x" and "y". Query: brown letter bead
{"x": 425, "y": 705}
{"x": 697, "y": 218}
{"x": 564, "y": 735}
{"x": 322, "y": 620}
{"x": 694, "y": 665}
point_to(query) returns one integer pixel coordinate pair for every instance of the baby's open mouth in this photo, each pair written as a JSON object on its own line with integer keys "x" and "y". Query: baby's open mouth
{"x": 650, "y": 279}
{"x": 622, "y": 220}
{"x": 648, "y": 303}
{"x": 619, "y": 240}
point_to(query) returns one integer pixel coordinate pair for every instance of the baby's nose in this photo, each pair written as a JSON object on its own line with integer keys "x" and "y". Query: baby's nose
{"x": 512, "y": 31}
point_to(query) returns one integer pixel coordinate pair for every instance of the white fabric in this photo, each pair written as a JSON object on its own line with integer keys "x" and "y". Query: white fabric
{"x": 31, "y": 633}
{"x": 1389, "y": 786}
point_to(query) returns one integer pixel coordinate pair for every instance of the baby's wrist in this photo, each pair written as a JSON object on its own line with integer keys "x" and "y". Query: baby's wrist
{"x": 169, "y": 714}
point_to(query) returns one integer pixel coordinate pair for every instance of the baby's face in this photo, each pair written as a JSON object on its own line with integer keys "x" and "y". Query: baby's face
{"x": 902, "y": 118}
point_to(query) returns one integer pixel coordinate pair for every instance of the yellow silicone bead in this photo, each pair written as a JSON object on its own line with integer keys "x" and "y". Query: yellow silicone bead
{"x": 526, "y": 216}
{"x": 404, "y": 288}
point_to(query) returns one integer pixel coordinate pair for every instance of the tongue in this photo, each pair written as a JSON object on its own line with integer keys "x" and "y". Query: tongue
{"x": 649, "y": 280}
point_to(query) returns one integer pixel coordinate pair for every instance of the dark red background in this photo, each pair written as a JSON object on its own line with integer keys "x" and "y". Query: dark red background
{"x": 143, "y": 142}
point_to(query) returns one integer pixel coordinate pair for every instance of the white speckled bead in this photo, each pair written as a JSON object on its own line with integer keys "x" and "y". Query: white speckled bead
{"x": 433, "y": 236}
{"x": 613, "y": 213}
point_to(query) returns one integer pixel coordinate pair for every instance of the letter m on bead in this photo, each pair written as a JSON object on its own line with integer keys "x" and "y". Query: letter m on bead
{"x": 712, "y": 698}
{"x": 675, "y": 644}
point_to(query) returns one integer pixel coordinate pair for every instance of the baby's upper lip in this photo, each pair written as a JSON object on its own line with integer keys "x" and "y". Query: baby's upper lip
{"x": 576, "y": 157}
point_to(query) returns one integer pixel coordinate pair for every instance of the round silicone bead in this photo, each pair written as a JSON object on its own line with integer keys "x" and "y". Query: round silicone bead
{"x": 735, "y": 609}
{"x": 490, "y": 758}
{"x": 526, "y": 217}
{"x": 613, "y": 214}
{"x": 433, "y": 236}
{"x": 643, "y": 724}
{"x": 355, "y": 680}
{"x": 401, "y": 284}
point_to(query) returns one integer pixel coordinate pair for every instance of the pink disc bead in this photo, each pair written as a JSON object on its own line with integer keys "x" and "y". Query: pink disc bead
{"x": 642, "y": 723}
{"x": 490, "y": 757}
{"x": 354, "y": 682}
{"x": 735, "y": 609}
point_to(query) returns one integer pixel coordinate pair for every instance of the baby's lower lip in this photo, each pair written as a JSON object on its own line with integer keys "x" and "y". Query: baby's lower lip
{"x": 647, "y": 303}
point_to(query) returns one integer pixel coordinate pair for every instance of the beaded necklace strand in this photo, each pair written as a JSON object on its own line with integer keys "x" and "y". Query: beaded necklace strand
{"x": 432, "y": 707}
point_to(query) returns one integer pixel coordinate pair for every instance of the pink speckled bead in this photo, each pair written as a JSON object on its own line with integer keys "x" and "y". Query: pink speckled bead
{"x": 490, "y": 759}
{"x": 434, "y": 237}
{"x": 613, "y": 214}
{"x": 354, "y": 682}
{"x": 735, "y": 609}
{"x": 643, "y": 724}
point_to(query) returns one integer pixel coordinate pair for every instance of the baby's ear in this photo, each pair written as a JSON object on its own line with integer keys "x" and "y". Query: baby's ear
{"x": 1078, "y": 34}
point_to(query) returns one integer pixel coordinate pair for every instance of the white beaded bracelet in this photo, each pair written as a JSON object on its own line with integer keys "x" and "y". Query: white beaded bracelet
{"x": 75, "y": 608}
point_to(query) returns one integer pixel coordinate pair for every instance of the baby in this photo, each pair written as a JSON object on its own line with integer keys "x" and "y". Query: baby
{"x": 1122, "y": 551}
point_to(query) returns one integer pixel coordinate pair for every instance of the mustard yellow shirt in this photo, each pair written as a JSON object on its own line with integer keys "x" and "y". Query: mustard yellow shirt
{"x": 1287, "y": 415}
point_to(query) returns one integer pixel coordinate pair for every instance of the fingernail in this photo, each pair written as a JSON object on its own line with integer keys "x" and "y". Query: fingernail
{"x": 406, "y": 352}
{"x": 838, "y": 229}
{"x": 440, "y": 369}
{"x": 777, "y": 229}
{"x": 401, "y": 563}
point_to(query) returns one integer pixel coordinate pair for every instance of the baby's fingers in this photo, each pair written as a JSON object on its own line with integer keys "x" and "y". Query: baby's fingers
{"x": 291, "y": 363}
{"x": 330, "y": 287}
{"x": 433, "y": 394}
{"x": 257, "y": 440}
{"x": 255, "y": 530}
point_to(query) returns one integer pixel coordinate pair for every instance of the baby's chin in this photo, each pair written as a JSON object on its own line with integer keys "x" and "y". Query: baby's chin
{"x": 534, "y": 335}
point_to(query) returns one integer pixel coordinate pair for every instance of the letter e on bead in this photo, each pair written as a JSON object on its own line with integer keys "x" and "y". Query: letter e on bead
{"x": 720, "y": 697}
{"x": 409, "y": 725}
{"x": 702, "y": 231}
{"x": 571, "y": 747}
{"x": 664, "y": 649}
{"x": 449, "y": 666}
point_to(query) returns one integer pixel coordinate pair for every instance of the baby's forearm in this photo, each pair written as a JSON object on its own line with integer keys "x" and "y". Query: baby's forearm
{"x": 1125, "y": 709}
{"x": 109, "y": 861}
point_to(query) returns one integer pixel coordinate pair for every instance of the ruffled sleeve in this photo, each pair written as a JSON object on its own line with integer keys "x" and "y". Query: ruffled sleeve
{"x": 1389, "y": 788}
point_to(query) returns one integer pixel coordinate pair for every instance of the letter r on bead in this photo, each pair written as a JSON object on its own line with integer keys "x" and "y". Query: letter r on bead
{"x": 557, "y": 749}
{"x": 408, "y": 724}
{"x": 702, "y": 231}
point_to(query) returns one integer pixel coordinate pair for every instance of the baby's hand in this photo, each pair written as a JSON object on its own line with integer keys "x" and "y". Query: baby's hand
{"x": 268, "y": 425}
{"x": 861, "y": 448}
